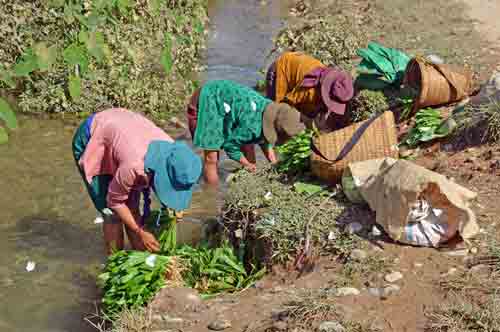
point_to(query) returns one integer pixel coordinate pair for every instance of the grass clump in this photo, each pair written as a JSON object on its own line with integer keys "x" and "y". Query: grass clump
{"x": 465, "y": 315}
{"x": 481, "y": 121}
{"x": 264, "y": 206}
{"x": 366, "y": 104}
{"x": 332, "y": 39}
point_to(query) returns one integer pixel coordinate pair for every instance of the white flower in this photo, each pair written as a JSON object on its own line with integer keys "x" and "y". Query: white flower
{"x": 331, "y": 236}
{"x": 227, "y": 108}
{"x": 30, "y": 266}
{"x": 268, "y": 196}
{"x": 254, "y": 105}
{"x": 150, "y": 260}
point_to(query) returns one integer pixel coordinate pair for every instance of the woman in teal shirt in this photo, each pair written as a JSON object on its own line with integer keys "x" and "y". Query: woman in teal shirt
{"x": 225, "y": 115}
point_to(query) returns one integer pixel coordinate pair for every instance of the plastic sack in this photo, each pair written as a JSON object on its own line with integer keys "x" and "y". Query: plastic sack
{"x": 387, "y": 63}
{"x": 413, "y": 204}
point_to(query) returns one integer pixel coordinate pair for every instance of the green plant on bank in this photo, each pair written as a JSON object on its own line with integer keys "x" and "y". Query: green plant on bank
{"x": 295, "y": 154}
{"x": 8, "y": 117}
{"x": 428, "y": 126}
{"x": 82, "y": 55}
{"x": 332, "y": 39}
{"x": 367, "y": 104}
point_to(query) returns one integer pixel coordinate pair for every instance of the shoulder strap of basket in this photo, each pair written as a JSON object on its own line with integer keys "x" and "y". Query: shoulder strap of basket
{"x": 350, "y": 144}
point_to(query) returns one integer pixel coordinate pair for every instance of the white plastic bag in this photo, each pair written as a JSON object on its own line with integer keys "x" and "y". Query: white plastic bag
{"x": 425, "y": 226}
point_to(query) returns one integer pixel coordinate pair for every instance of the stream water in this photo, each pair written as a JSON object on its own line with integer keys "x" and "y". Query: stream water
{"x": 45, "y": 214}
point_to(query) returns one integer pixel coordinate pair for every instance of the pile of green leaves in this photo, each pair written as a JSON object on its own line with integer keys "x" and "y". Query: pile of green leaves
{"x": 8, "y": 117}
{"x": 164, "y": 229}
{"x": 83, "y": 55}
{"x": 367, "y": 104}
{"x": 428, "y": 126}
{"x": 213, "y": 271}
{"x": 295, "y": 154}
{"x": 131, "y": 279}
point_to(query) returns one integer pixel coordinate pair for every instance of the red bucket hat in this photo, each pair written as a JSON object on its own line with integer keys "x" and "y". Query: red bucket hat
{"x": 336, "y": 90}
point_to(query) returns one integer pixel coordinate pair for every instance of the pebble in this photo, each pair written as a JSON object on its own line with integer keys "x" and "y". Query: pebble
{"x": 358, "y": 254}
{"x": 450, "y": 272}
{"x": 393, "y": 277}
{"x": 376, "y": 231}
{"x": 354, "y": 227}
{"x": 331, "y": 327}
{"x": 473, "y": 250}
{"x": 219, "y": 325}
{"x": 346, "y": 291}
{"x": 279, "y": 314}
{"x": 280, "y": 326}
{"x": 391, "y": 290}
{"x": 418, "y": 265}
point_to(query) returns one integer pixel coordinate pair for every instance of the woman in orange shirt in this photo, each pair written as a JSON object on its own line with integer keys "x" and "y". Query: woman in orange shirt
{"x": 318, "y": 91}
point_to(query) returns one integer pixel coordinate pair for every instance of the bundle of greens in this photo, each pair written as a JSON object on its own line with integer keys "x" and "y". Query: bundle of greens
{"x": 163, "y": 224}
{"x": 213, "y": 271}
{"x": 294, "y": 154}
{"x": 131, "y": 279}
{"x": 428, "y": 126}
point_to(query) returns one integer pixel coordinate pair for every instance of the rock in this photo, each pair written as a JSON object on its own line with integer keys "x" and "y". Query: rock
{"x": 376, "y": 231}
{"x": 280, "y": 326}
{"x": 391, "y": 290}
{"x": 377, "y": 292}
{"x": 219, "y": 325}
{"x": 473, "y": 250}
{"x": 418, "y": 265}
{"x": 331, "y": 327}
{"x": 279, "y": 314}
{"x": 346, "y": 291}
{"x": 393, "y": 277}
{"x": 450, "y": 272}
{"x": 358, "y": 254}
{"x": 176, "y": 301}
{"x": 354, "y": 227}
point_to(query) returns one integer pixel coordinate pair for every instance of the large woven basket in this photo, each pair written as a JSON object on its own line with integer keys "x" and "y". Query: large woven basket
{"x": 378, "y": 141}
{"x": 438, "y": 84}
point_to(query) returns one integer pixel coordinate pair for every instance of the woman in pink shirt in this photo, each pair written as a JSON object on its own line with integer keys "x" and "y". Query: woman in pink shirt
{"x": 121, "y": 154}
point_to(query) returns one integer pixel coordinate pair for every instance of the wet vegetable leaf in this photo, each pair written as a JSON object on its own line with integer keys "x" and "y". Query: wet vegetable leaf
{"x": 7, "y": 114}
{"x": 75, "y": 86}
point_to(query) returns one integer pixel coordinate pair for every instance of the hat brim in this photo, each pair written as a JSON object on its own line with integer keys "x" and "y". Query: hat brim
{"x": 331, "y": 104}
{"x": 269, "y": 123}
{"x": 175, "y": 198}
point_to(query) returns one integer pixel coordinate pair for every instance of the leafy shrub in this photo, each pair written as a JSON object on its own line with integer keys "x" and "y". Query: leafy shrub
{"x": 83, "y": 55}
{"x": 332, "y": 39}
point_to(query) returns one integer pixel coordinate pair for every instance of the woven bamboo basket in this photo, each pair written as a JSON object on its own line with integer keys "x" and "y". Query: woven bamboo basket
{"x": 438, "y": 84}
{"x": 378, "y": 141}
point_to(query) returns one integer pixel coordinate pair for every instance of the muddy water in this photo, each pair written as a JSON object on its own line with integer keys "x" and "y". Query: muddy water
{"x": 46, "y": 216}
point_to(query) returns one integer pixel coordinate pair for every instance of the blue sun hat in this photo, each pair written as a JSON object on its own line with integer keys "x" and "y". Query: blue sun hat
{"x": 176, "y": 169}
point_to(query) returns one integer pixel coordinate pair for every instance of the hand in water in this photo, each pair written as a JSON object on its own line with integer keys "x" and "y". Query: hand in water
{"x": 149, "y": 241}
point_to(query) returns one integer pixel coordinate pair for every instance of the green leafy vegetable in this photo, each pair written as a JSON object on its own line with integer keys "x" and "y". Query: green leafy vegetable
{"x": 428, "y": 126}
{"x": 213, "y": 271}
{"x": 294, "y": 154}
{"x": 131, "y": 279}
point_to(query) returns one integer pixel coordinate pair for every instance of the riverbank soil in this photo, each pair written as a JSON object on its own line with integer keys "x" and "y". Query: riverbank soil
{"x": 413, "y": 289}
